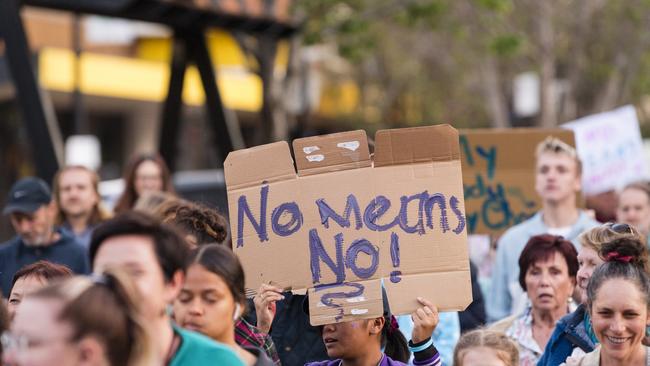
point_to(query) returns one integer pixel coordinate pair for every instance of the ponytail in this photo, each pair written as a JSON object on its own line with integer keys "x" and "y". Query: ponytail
{"x": 393, "y": 341}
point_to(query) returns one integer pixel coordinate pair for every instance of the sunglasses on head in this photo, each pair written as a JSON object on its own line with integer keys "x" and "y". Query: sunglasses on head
{"x": 620, "y": 228}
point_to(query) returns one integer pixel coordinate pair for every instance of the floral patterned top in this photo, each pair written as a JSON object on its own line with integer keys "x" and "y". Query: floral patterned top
{"x": 520, "y": 329}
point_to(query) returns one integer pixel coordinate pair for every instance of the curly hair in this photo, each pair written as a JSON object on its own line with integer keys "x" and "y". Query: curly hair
{"x": 202, "y": 222}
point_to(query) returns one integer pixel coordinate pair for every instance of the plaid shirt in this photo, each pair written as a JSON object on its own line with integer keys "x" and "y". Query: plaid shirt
{"x": 248, "y": 335}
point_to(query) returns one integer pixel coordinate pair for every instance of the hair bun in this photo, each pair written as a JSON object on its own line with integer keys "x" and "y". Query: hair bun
{"x": 625, "y": 250}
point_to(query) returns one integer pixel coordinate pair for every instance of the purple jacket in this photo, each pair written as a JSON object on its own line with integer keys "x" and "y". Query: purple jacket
{"x": 386, "y": 361}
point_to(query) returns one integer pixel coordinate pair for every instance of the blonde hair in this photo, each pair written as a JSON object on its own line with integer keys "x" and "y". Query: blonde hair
{"x": 597, "y": 237}
{"x": 505, "y": 349}
{"x": 105, "y": 307}
{"x": 99, "y": 213}
{"x": 556, "y": 146}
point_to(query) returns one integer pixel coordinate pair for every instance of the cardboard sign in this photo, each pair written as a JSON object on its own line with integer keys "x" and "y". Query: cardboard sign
{"x": 344, "y": 226}
{"x": 499, "y": 176}
{"x": 611, "y": 149}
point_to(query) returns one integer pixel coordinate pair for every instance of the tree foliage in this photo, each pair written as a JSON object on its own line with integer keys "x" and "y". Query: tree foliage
{"x": 424, "y": 61}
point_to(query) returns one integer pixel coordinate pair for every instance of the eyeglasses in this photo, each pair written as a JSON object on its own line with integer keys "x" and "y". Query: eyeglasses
{"x": 22, "y": 343}
{"x": 620, "y": 228}
{"x": 14, "y": 341}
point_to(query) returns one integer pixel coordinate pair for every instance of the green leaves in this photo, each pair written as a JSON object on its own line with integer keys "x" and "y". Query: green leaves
{"x": 506, "y": 45}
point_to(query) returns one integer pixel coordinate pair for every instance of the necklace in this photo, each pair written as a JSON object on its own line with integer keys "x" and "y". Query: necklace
{"x": 173, "y": 347}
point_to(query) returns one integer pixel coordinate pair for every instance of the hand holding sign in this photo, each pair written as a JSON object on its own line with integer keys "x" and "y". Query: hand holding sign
{"x": 425, "y": 321}
{"x": 265, "y": 307}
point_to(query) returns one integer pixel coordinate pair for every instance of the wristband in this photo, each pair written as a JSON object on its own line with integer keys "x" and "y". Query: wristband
{"x": 421, "y": 348}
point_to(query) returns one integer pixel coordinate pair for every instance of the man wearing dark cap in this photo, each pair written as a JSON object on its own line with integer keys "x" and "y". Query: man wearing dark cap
{"x": 32, "y": 213}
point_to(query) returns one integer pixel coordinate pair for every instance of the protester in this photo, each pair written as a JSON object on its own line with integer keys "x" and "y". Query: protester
{"x": 32, "y": 214}
{"x": 81, "y": 321}
{"x": 618, "y": 299}
{"x": 574, "y": 330}
{"x": 155, "y": 255}
{"x": 143, "y": 173}
{"x": 634, "y": 206}
{"x": 557, "y": 181}
{"x": 485, "y": 348}
{"x": 76, "y": 192}
{"x": 547, "y": 272}
{"x": 377, "y": 341}
{"x": 200, "y": 224}
{"x": 281, "y": 315}
{"x": 31, "y": 278}
{"x": 213, "y": 300}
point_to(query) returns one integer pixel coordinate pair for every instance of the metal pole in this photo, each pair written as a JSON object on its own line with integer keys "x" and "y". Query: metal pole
{"x": 27, "y": 89}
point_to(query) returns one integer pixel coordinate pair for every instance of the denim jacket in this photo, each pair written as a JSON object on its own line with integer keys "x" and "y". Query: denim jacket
{"x": 569, "y": 333}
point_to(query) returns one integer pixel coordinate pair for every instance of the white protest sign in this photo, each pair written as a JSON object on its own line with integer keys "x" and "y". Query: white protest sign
{"x": 611, "y": 149}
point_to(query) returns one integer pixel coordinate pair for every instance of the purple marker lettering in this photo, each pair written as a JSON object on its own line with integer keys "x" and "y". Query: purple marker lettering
{"x": 364, "y": 246}
{"x": 395, "y": 258}
{"x": 437, "y": 198}
{"x": 326, "y": 212}
{"x": 244, "y": 209}
{"x": 317, "y": 253}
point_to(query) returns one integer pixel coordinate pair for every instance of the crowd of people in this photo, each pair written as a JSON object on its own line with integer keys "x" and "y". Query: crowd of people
{"x": 155, "y": 282}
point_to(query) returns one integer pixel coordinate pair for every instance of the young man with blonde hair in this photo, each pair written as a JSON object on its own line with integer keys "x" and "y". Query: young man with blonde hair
{"x": 79, "y": 208}
{"x": 558, "y": 173}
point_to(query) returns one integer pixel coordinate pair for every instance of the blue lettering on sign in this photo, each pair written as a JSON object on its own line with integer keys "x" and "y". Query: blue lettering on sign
{"x": 375, "y": 210}
{"x": 395, "y": 258}
{"x": 244, "y": 209}
{"x": 453, "y": 202}
{"x": 294, "y": 224}
{"x": 439, "y": 199}
{"x": 318, "y": 253}
{"x": 496, "y": 210}
{"x": 363, "y": 246}
{"x": 326, "y": 212}
{"x": 328, "y": 299}
{"x": 490, "y": 156}
{"x": 403, "y": 213}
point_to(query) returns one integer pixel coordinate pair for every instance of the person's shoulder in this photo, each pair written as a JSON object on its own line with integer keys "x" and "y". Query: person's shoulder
{"x": 197, "y": 349}
{"x": 9, "y": 248}
{"x": 586, "y": 222}
{"x": 323, "y": 363}
{"x": 9, "y": 245}
{"x": 574, "y": 318}
{"x": 503, "y": 324}
{"x": 522, "y": 229}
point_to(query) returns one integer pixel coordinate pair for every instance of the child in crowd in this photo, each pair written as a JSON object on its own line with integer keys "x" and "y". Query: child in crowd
{"x": 486, "y": 348}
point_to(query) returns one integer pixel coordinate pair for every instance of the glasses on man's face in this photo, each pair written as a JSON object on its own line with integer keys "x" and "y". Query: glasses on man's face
{"x": 620, "y": 228}
{"x": 22, "y": 343}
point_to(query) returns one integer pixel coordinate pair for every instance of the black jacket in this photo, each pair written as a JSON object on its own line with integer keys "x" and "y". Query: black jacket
{"x": 474, "y": 316}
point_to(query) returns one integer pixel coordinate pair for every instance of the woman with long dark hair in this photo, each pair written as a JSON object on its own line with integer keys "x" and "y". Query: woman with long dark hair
{"x": 143, "y": 173}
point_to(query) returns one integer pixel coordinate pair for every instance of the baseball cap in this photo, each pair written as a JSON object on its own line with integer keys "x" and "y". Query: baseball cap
{"x": 27, "y": 195}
